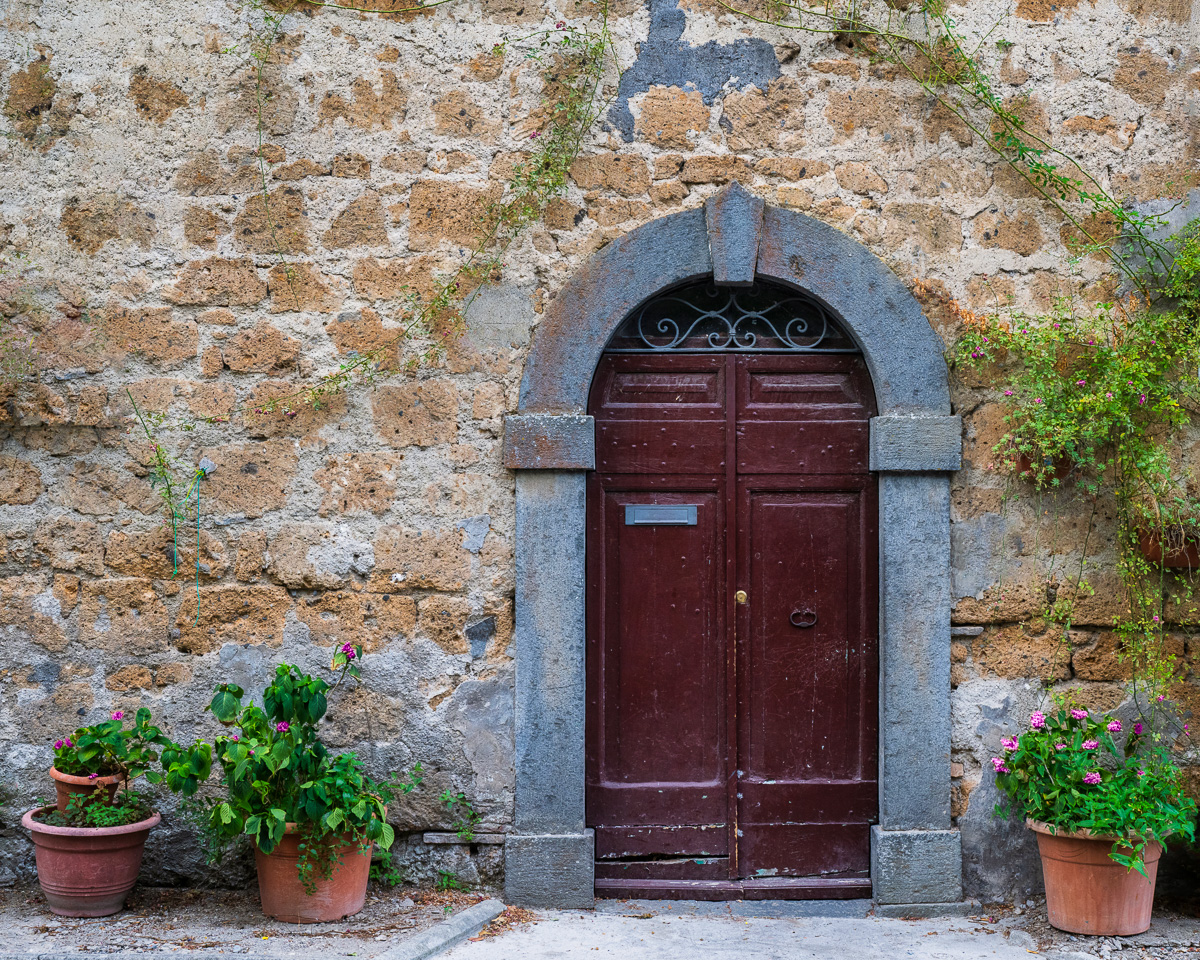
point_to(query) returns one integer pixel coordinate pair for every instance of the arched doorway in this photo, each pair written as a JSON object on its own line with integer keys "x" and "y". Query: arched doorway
{"x": 914, "y": 443}
{"x": 732, "y": 556}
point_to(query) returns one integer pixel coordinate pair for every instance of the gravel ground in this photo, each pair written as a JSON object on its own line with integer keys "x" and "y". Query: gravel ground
{"x": 1172, "y": 935}
{"x": 222, "y": 921}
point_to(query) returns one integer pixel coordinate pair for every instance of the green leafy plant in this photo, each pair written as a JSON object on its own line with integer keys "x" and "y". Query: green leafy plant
{"x": 128, "y": 806}
{"x": 1067, "y": 771}
{"x": 448, "y": 881}
{"x": 466, "y": 817}
{"x": 385, "y": 871}
{"x": 111, "y": 749}
{"x": 276, "y": 772}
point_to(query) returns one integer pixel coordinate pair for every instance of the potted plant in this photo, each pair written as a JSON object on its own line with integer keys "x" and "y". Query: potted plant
{"x": 89, "y": 844}
{"x": 1101, "y": 814}
{"x": 312, "y": 817}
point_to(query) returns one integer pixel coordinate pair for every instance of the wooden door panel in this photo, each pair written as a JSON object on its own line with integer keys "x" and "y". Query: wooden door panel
{"x": 813, "y": 448}
{"x": 657, "y": 649}
{"x": 709, "y": 720}
{"x": 642, "y": 446}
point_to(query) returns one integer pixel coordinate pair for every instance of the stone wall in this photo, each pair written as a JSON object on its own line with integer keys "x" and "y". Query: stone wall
{"x": 386, "y": 516}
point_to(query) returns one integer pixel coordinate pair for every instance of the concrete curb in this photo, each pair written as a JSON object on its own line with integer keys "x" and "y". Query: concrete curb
{"x": 447, "y": 934}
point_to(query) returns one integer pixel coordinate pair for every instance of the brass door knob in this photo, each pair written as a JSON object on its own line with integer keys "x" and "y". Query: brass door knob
{"x": 740, "y": 596}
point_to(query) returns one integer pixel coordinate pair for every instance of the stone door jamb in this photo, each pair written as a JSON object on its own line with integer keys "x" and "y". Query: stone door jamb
{"x": 915, "y": 445}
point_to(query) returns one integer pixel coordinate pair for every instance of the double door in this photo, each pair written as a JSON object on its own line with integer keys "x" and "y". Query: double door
{"x": 732, "y": 626}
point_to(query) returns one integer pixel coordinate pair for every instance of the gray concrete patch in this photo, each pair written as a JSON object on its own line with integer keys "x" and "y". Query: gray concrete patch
{"x": 634, "y": 936}
{"x": 448, "y": 933}
{"x": 738, "y": 908}
{"x": 665, "y": 60}
{"x": 914, "y": 444}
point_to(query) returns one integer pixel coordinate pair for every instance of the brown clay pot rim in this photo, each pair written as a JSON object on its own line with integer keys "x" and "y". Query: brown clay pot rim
{"x": 36, "y": 826}
{"x": 85, "y": 781}
{"x": 1038, "y": 826}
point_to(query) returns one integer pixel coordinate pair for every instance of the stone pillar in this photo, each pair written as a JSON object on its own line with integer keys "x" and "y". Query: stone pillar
{"x": 549, "y": 860}
{"x": 915, "y": 856}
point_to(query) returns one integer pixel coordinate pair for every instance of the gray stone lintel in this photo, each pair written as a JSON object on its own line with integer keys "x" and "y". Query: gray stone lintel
{"x": 549, "y": 441}
{"x": 734, "y": 218}
{"x": 916, "y": 444}
{"x": 916, "y": 866}
{"x": 550, "y": 871}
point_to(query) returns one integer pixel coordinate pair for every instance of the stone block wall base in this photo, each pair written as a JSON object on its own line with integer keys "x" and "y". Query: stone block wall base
{"x": 916, "y": 866}
{"x": 550, "y": 871}
{"x": 906, "y": 911}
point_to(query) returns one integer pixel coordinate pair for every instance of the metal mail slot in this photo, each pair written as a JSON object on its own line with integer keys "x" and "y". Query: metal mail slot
{"x": 660, "y": 514}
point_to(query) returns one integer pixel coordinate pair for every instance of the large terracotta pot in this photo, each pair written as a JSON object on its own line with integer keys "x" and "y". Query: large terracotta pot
{"x": 87, "y": 871}
{"x": 283, "y": 895}
{"x": 1089, "y": 892}
{"x": 66, "y": 784}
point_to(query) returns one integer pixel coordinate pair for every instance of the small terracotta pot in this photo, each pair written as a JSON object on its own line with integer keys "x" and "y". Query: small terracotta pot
{"x": 1087, "y": 891}
{"x": 283, "y": 895}
{"x": 65, "y": 784}
{"x": 87, "y": 871}
{"x": 1185, "y": 554}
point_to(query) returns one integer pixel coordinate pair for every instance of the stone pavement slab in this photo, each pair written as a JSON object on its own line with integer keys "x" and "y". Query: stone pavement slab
{"x": 654, "y": 935}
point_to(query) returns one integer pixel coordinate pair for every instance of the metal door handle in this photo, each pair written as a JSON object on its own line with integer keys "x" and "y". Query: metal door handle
{"x": 803, "y": 619}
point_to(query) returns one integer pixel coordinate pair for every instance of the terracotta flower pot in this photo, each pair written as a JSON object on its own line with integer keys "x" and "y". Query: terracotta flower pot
{"x": 1087, "y": 891}
{"x": 65, "y": 784}
{"x": 283, "y": 895}
{"x": 1183, "y": 554}
{"x": 87, "y": 871}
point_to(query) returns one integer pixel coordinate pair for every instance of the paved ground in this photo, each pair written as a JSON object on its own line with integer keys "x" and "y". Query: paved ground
{"x": 644, "y": 930}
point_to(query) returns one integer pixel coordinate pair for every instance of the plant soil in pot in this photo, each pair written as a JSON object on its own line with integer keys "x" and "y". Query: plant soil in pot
{"x": 1087, "y": 891}
{"x": 65, "y": 785}
{"x": 282, "y": 891}
{"x": 87, "y": 871}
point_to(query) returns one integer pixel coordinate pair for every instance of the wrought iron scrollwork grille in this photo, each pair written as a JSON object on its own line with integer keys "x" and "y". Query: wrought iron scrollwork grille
{"x": 701, "y": 317}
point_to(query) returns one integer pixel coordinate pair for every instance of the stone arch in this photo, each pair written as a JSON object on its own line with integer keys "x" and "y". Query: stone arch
{"x": 915, "y": 444}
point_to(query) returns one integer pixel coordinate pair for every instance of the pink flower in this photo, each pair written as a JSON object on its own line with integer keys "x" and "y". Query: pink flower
{"x": 1038, "y": 400}
{"x": 1142, "y": 400}
{"x": 68, "y": 743}
{"x": 235, "y": 738}
{"x": 1137, "y": 729}
{"x": 1008, "y": 393}
{"x": 1080, "y": 383}
{"x": 58, "y": 744}
{"x": 251, "y": 753}
{"x": 1141, "y": 773}
{"x": 999, "y": 766}
{"x": 1009, "y": 743}
{"x": 348, "y": 650}
{"x": 560, "y": 25}
{"x": 1114, "y": 726}
{"x": 118, "y": 715}
{"x": 282, "y": 726}
{"x": 1079, "y": 714}
{"x": 1108, "y": 396}
{"x": 1160, "y": 698}
{"x": 1037, "y": 720}
{"x": 93, "y": 776}
{"x": 1090, "y": 744}
{"x": 1093, "y": 777}
{"x": 535, "y": 134}
{"x": 1060, "y": 746}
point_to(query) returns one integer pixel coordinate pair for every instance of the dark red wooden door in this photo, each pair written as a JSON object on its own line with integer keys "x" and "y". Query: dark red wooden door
{"x": 732, "y": 745}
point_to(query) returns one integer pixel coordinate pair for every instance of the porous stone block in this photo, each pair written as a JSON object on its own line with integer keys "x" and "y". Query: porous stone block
{"x": 916, "y": 866}
{"x": 550, "y": 871}
{"x": 912, "y": 444}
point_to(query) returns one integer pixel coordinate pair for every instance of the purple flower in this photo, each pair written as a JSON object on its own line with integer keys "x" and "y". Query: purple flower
{"x": 58, "y": 744}
{"x": 1060, "y": 746}
{"x": 1160, "y": 698}
{"x": 1079, "y": 714}
{"x": 1093, "y": 777}
{"x": 348, "y": 650}
{"x": 68, "y": 743}
{"x": 93, "y": 776}
{"x": 560, "y": 25}
{"x": 1037, "y": 719}
{"x": 118, "y": 715}
{"x": 1080, "y": 383}
{"x": 282, "y": 726}
{"x": 1141, "y": 773}
{"x": 999, "y": 766}
{"x": 1008, "y": 393}
{"x": 1114, "y": 726}
{"x": 1090, "y": 744}
{"x": 235, "y": 738}
{"x": 1009, "y": 743}
{"x": 1137, "y": 729}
